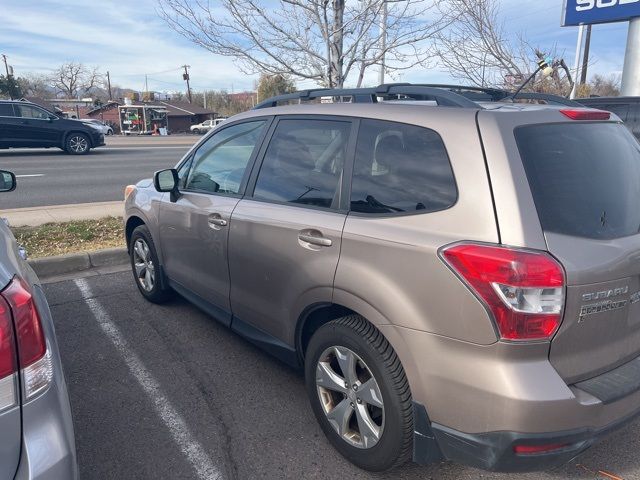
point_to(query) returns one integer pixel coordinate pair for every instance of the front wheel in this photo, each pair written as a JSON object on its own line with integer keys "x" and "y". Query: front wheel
{"x": 145, "y": 266}
{"x": 77, "y": 144}
{"x": 196, "y": 131}
{"x": 359, "y": 393}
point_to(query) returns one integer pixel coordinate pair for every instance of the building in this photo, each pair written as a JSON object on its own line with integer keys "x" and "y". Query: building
{"x": 181, "y": 115}
{"x": 108, "y": 113}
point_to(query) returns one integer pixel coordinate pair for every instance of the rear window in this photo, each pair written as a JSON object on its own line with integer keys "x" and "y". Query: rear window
{"x": 584, "y": 177}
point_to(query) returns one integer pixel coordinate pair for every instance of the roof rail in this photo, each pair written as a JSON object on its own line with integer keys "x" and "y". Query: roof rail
{"x": 548, "y": 97}
{"x": 371, "y": 95}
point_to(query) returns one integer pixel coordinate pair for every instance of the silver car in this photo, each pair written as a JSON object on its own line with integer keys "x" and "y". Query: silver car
{"x": 36, "y": 430}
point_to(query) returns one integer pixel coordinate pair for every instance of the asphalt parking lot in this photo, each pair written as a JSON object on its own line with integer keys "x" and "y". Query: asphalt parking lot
{"x": 167, "y": 392}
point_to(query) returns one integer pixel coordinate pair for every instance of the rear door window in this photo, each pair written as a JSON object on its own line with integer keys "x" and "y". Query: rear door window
{"x": 400, "y": 168}
{"x": 584, "y": 177}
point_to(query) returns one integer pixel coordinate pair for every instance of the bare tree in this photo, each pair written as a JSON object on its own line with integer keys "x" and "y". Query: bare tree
{"x": 320, "y": 40}
{"x": 475, "y": 48}
{"x": 604, "y": 86}
{"x": 72, "y": 79}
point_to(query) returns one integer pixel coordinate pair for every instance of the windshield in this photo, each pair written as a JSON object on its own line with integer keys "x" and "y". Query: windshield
{"x": 584, "y": 177}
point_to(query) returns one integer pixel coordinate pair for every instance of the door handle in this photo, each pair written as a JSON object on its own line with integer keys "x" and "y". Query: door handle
{"x": 215, "y": 220}
{"x": 315, "y": 240}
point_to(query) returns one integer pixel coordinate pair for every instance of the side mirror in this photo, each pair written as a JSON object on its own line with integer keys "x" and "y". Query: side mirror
{"x": 7, "y": 181}
{"x": 167, "y": 181}
{"x": 52, "y": 118}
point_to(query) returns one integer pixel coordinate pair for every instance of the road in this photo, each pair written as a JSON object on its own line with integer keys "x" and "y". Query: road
{"x": 167, "y": 392}
{"x": 51, "y": 177}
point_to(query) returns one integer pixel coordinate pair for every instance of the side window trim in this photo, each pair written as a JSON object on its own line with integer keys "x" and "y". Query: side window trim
{"x": 252, "y": 160}
{"x": 351, "y": 146}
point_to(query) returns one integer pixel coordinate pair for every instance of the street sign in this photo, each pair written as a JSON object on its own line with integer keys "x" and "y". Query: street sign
{"x": 585, "y": 12}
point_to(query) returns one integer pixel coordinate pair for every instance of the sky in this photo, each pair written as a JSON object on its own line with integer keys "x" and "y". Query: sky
{"x": 129, "y": 40}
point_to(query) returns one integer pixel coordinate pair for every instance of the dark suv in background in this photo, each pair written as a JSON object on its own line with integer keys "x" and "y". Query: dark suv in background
{"x": 24, "y": 124}
{"x": 627, "y": 108}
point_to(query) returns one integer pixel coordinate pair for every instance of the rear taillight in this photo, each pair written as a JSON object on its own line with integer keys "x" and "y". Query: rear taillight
{"x": 586, "y": 114}
{"x": 524, "y": 290}
{"x": 8, "y": 363}
{"x": 8, "y": 359}
{"x": 33, "y": 357}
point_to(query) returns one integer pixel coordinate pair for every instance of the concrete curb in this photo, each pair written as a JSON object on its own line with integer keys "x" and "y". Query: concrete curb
{"x": 77, "y": 262}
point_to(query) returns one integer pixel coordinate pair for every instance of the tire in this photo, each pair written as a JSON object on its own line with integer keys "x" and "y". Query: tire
{"x": 196, "y": 131}
{"x": 389, "y": 443}
{"x": 145, "y": 267}
{"x": 77, "y": 144}
{"x": 109, "y": 132}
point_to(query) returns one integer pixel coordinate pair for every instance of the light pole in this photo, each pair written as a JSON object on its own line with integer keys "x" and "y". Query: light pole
{"x": 383, "y": 40}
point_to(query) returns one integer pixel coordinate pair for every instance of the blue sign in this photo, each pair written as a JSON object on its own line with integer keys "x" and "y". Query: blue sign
{"x": 584, "y": 12}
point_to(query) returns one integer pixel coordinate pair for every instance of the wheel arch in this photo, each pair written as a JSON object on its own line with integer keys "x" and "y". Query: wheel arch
{"x": 345, "y": 303}
{"x": 132, "y": 223}
{"x": 71, "y": 132}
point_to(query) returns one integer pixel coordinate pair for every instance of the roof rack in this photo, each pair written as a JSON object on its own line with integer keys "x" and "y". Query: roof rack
{"x": 386, "y": 91}
{"x": 548, "y": 97}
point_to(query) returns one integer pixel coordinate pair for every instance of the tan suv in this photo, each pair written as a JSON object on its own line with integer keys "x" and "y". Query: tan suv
{"x": 458, "y": 280}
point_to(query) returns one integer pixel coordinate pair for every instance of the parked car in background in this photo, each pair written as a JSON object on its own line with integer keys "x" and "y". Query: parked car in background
{"x": 36, "y": 429}
{"x": 103, "y": 127}
{"x": 458, "y": 281}
{"x": 205, "y": 126}
{"x": 627, "y": 108}
{"x": 24, "y": 124}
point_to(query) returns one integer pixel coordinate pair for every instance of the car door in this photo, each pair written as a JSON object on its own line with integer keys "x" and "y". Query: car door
{"x": 284, "y": 240}
{"x": 37, "y": 128}
{"x": 194, "y": 229}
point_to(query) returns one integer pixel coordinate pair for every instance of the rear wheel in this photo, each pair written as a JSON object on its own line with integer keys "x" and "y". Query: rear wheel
{"x": 145, "y": 266}
{"x": 77, "y": 144}
{"x": 360, "y": 394}
{"x": 196, "y": 131}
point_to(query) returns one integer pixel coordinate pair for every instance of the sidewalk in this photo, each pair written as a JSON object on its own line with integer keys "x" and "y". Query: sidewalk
{"x": 34, "y": 216}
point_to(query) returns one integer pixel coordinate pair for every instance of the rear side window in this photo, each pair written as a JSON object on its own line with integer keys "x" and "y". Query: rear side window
{"x": 26, "y": 111}
{"x": 584, "y": 177}
{"x": 400, "y": 168}
{"x": 6, "y": 110}
{"x": 303, "y": 163}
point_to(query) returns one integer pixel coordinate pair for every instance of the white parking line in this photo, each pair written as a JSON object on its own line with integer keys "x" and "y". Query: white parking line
{"x": 30, "y": 175}
{"x": 190, "y": 447}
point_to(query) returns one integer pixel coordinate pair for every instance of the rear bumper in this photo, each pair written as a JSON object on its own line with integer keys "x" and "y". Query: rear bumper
{"x": 494, "y": 451}
{"x": 484, "y": 399}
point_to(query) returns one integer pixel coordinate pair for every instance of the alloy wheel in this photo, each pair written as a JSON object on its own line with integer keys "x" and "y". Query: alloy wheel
{"x": 350, "y": 397}
{"x": 78, "y": 144}
{"x": 143, "y": 265}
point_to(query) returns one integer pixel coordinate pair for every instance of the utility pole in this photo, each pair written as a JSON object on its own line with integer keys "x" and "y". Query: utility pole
{"x": 185, "y": 77}
{"x": 9, "y": 71}
{"x": 146, "y": 88}
{"x": 383, "y": 40}
{"x": 109, "y": 85}
{"x": 585, "y": 59}
{"x": 204, "y": 96}
{"x": 6, "y": 67}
